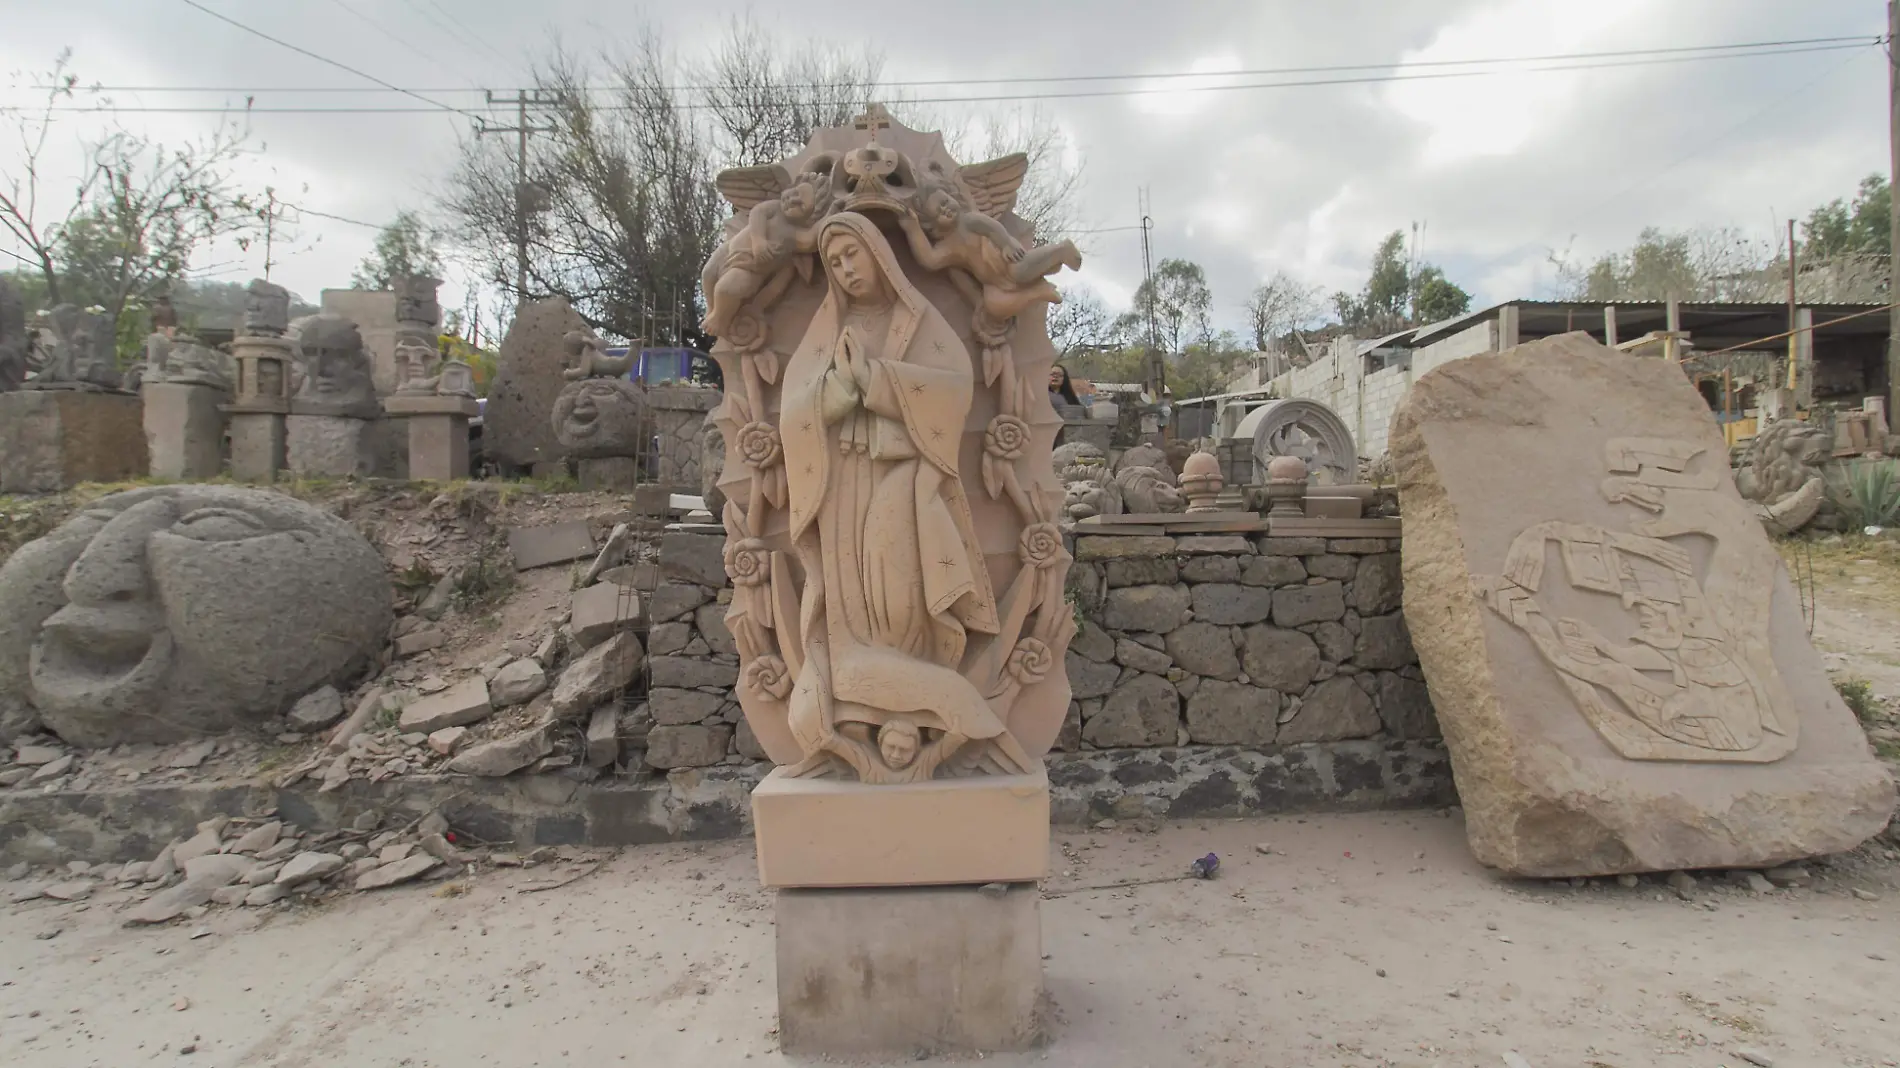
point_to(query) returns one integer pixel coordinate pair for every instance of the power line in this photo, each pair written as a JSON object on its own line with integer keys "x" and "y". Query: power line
{"x": 1742, "y": 50}
{"x": 321, "y": 59}
{"x": 995, "y": 98}
{"x": 391, "y": 34}
{"x": 327, "y": 215}
{"x": 461, "y": 33}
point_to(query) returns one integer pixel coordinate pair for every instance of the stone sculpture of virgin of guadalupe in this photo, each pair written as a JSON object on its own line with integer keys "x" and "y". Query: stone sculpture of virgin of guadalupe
{"x": 874, "y": 402}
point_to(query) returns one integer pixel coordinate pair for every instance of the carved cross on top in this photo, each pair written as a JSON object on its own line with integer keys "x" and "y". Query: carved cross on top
{"x": 875, "y": 118}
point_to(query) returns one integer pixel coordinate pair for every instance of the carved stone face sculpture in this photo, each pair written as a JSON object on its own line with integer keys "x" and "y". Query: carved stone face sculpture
{"x": 415, "y": 300}
{"x": 332, "y": 368}
{"x": 163, "y": 613}
{"x": 598, "y": 417}
{"x": 898, "y": 743}
{"x": 851, "y": 265}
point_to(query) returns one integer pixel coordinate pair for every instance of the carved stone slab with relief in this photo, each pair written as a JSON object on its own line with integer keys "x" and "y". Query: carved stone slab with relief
{"x": 1616, "y": 654}
{"x": 891, "y": 509}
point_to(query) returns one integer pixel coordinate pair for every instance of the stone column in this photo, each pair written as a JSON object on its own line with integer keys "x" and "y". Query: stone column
{"x": 257, "y": 411}
{"x": 54, "y": 439}
{"x": 184, "y": 430}
{"x": 438, "y": 433}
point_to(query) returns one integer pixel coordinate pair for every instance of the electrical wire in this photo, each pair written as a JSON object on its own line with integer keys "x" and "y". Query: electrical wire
{"x": 993, "y": 98}
{"x": 1745, "y": 48}
{"x": 436, "y": 104}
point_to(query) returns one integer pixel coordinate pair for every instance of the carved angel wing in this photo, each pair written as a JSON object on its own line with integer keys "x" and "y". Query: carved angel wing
{"x": 747, "y": 187}
{"x": 993, "y": 184}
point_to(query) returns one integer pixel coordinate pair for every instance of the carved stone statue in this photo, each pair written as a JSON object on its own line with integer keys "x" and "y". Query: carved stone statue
{"x": 1146, "y": 491}
{"x": 781, "y": 224}
{"x": 601, "y": 417}
{"x": 331, "y": 369}
{"x": 1782, "y": 474}
{"x": 79, "y": 351}
{"x": 1088, "y": 487}
{"x": 587, "y": 357}
{"x": 184, "y": 360}
{"x": 266, "y": 309}
{"x": 423, "y": 373}
{"x": 884, "y": 635}
{"x": 159, "y": 614}
{"x": 416, "y": 303}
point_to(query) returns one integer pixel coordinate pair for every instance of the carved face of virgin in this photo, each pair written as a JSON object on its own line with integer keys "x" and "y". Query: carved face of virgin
{"x": 162, "y": 613}
{"x": 850, "y": 263}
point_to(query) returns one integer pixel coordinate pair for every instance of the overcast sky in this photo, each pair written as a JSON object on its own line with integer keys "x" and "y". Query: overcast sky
{"x": 1498, "y": 171}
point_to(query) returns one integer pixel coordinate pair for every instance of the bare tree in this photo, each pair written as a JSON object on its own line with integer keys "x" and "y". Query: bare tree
{"x": 1278, "y": 307}
{"x": 766, "y": 99}
{"x": 1047, "y": 199}
{"x": 1082, "y": 323}
{"x": 20, "y": 204}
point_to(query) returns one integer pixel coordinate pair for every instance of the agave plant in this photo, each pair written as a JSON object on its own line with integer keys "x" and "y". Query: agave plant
{"x": 1868, "y": 493}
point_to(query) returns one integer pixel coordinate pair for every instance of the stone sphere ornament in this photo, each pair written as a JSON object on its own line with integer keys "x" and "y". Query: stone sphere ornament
{"x": 161, "y": 614}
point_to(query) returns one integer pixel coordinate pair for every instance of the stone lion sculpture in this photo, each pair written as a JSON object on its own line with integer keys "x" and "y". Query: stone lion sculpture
{"x": 163, "y": 613}
{"x": 1781, "y": 474}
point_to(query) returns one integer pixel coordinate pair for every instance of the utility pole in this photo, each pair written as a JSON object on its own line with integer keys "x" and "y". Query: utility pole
{"x": 525, "y": 199}
{"x": 270, "y": 226}
{"x": 1893, "y": 148}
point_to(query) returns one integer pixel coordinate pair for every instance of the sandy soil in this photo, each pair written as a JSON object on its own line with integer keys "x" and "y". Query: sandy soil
{"x": 1359, "y": 940}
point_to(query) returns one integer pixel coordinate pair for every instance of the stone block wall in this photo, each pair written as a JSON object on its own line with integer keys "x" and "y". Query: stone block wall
{"x": 678, "y": 414}
{"x": 1212, "y": 675}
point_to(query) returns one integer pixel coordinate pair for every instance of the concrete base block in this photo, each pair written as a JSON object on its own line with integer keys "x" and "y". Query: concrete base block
{"x": 329, "y": 445}
{"x": 184, "y": 430}
{"x": 258, "y": 446}
{"x": 907, "y": 971}
{"x": 610, "y": 474}
{"x": 438, "y": 447}
{"x": 832, "y": 832}
{"x": 53, "y": 439}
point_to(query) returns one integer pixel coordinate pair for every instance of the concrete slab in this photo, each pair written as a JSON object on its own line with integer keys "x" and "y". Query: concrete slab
{"x": 600, "y": 610}
{"x": 555, "y": 543}
{"x": 916, "y": 970}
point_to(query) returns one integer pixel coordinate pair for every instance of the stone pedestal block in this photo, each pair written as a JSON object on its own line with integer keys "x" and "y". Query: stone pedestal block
{"x": 257, "y": 445}
{"x": 612, "y": 474}
{"x": 52, "y": 439}
{"x": 909, "y": 971}
{"x": 184, "y": 430}
{"x": 329, "y": 445}
{"x": 831, "y": 832}
{"x": 438, "y": 434}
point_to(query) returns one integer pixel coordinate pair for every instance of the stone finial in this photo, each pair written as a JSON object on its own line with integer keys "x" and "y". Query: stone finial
{"x": 1201, "y": 482}
{"x": 1286, "y": 487}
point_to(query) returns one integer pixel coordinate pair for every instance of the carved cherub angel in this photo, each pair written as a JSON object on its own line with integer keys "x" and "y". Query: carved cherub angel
{"x": 948, "y": 231}
{"x": 782, "y": 217}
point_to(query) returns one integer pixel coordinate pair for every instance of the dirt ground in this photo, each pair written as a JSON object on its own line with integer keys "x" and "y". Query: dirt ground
{"x": 1359, "y": 940}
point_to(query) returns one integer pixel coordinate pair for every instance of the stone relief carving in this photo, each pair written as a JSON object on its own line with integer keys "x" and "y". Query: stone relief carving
{"x": 891, "y": 520}
{"x": 80, "y": 354}
{"x": 1666, "y": 655}
{"x": 1088, "y": 489}
{"x": 162, "y": 613}
{"x": 1306, "y": 429}
{"x": 331, "y": 370}
{"x": 1782, "y": 474}
{"x": 425, "y": 373}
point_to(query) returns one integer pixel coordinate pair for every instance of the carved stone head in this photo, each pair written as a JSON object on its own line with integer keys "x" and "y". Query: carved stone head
{"x": 332, "y": 369}
{"x": 163, "y": 613}
{"x": 81, "y": 350}
{"x": 266, "y": 309}
{"x": 415, "y": 299}
{"x": 1146, "y": 491}
{"x": 804, "y": 200}
{"x": 598, "y": 417}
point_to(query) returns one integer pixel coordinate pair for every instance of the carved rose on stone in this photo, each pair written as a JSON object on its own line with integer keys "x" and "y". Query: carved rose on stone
{"x": 746, "y": 334}
{"x": 768, "y": 674}
{"x": 1006, "y": 437}
{"x": 1040, "y": 545}
{"x": 1030, "y": 661}
{"x": 759, "y": 444}
{"x": 748, "y": 561}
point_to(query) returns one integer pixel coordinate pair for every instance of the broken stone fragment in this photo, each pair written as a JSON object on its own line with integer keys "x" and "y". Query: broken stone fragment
{"x": 517, "y": 683}
{"x": 400, "y": 872}
{"x": 421, "y": 640}
{"x": 200, "y": 844}
{"x": 504, "y": 756}
{"x": 603, "y": 736}
{"x": 55, "y": 769}
{"x": 447, "y": 739}
{"x": 464, "y": 703}
{"x": 598, "y": 676}
{"x": 268, "y": 894}
{"x": 36, "y": 755}
{"x": 305, "y": 867}
{"x": 316, "y": 710}
{"x": 258, "y": 839}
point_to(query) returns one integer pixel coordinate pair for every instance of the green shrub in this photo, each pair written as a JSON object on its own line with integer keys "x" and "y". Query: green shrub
{"x": 1868, "y": 493}
{"x": 1859, "y": 695}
